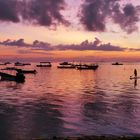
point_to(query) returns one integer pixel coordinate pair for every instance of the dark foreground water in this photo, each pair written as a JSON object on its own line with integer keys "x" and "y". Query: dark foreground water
{"x": 63, "y": 102}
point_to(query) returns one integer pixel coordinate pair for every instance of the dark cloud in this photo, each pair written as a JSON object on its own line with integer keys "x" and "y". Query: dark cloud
{"x": 95, "y": 45}
{"x": 94, "y": 15}
{"x": 41, "y": 12}
{"x": 19, "y": 42}
{"x": 8, "y": 10}
{"x": 85, "y": 45}
{"x": 40, "y": 45}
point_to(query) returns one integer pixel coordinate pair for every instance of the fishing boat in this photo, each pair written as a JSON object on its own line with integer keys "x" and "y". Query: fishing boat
{"x": 66, "y": 65}
{"x": 9, "y": 68}
{"x": 19, "y": 64}
{"x": 87, "y": 67}
{"x": 44, "y": 64}
{"x": 26, "y": 71}
{"x": 117, "y": 63}
{"x": 6, "y": 63}
{"x": 19, "y": 77}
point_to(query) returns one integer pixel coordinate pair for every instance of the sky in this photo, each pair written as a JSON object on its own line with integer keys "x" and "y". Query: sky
{"x": 70, "y": 30}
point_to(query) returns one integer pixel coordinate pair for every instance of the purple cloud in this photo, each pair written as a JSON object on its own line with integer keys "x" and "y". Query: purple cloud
{"x": 8, "y": 10}
{"x": 43, "y": 12}
{"x": 19, "y": 42}
{"x": 95, "y": 45}
{"x": 85, "y": 45}
{"x": 95, "y": 13}
{"x": 40, "y": 12}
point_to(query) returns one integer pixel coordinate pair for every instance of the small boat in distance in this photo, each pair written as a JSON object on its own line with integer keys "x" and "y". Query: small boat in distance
{"x": 6, "y": 63}
{"x": 9, "y": 68}
{"x": 26, "y": 71}
{"x": 66, "y": 65}
{"x": 21, "y": 64}
{"x": 117, "y": 63}
{"x": 44, "y": 64}
{"x": 87, "y": 67}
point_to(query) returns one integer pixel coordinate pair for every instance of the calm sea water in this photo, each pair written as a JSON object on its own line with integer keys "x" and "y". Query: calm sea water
{"x": 69, "y": 102}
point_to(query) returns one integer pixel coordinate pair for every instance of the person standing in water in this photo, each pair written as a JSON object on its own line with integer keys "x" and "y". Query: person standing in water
{"x": 135, "y": 72}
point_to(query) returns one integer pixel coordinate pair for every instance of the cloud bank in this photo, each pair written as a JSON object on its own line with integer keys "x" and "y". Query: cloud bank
{"x": 96, "y": 45}
{"x": 95, "y": 14}
{"x": 40, "y": 12}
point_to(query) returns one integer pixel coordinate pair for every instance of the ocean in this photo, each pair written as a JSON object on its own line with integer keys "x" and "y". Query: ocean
{"x": 70, "y": 102}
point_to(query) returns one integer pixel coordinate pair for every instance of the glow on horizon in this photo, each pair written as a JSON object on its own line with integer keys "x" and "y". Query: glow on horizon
{"x": 69, "y": 35}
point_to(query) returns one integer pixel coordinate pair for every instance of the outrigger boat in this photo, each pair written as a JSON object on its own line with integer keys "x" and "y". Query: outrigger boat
{"x": 26, "y": 71}
{"x": 66, "y": 65}
{"x": 20, "y": 70}
{"x": 19, "y": 77}
{"x": 44, "y": 64}
{"x": 9, "y": 68}
{"x": 87, "y": 67}
{"x": 21, "y": 64}
{"x": 117, "y": 63}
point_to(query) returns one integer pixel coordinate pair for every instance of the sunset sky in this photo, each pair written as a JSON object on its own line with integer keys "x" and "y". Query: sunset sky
{"x": 71, "y": 30}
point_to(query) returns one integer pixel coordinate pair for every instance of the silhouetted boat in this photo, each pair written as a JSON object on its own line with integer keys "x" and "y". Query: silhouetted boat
{"x": 66, "y": 65}
{"x": 19, "y": 77}
{"x": 44, "y": 64}
{"x": 21, "y": 64}
{"x": 9, "y": 68}
{"x": 117, "y": 63}
{"x": 26, "y": 71}
{"x": 87, "y": 67}
{"x": 6, "y": 63}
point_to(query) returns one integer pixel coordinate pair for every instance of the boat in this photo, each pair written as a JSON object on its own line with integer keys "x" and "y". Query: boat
{"x": 66, "y": 65}
{"x": 19, "y": 77}
{"x": 44, "y": 64}
{"x": 117, "y": 63}
{"x": 9, "y": 68}
{"x": 26, "y": 71}
{"x": 6, "y": 63}
{"x": 21, "y": 64}
{"x": 87, "y": 67}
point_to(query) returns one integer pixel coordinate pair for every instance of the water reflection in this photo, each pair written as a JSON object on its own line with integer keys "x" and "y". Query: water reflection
{"x": 70, "y": 102}
{"x": 135, "y": 83}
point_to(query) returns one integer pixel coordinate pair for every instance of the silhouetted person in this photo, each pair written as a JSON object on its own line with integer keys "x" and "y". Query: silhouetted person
{"x": 135, "y": 73}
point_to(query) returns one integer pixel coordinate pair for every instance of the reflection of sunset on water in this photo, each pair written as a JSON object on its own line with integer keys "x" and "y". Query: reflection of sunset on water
{"x": 67, "y": 102}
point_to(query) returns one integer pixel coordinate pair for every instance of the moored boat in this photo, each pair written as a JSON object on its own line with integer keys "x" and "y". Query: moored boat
{"x": 117, "y": 63}
{"x": 21, "y": 64}
{"x": 26, "y": 71}
{"x": 44, "y": 64}
{"x": 66, "y": 65}
{"x": 9, "y": 68}
{"x": 87, "y": 67}
{"x": 19, "y": 77}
